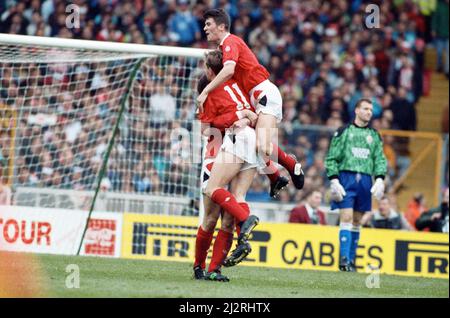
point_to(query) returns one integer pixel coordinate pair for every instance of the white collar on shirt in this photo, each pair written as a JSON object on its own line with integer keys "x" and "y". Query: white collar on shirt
{"x": 309, "y": 209}
{"x": 227, "y": 35}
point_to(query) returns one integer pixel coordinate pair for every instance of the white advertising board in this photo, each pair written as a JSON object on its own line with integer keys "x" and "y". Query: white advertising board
{"x": 59, "y": 231}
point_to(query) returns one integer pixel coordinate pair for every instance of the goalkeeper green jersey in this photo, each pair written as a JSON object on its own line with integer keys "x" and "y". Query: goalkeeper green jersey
{"x": 356, "y": 149}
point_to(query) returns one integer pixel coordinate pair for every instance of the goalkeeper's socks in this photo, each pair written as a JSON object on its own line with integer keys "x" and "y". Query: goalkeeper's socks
{"x": 202, "y": 244}
{"x": 345, "y": 239}
{"x": 355, "y": 231}
{"x": 228, "y": 203}
{"x": 222, "y": 246}
{"x": 283, "y": 158}
{"x": 272, "y": 172}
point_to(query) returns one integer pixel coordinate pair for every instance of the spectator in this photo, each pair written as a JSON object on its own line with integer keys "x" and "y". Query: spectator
{"x": 436, "y": 219}
{"x": 404, "y": 112}
{"x": 440, "y": 34}
{"x": 317, "y": 53}
{"x": 162, "y": 106}
{"x": 415, "y": 208}
{"x": 309, "y": 212}
{"x": 183, "y": 26}
{"x": 258, "y": 191}
{"x": 5, "y": 191}
{"x": 386, "y": 217}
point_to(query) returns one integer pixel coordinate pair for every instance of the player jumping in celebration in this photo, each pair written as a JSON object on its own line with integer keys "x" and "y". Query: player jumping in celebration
{"x": 242, "y": 65}
{"x": 226, "y": 107}
{"x": 355, "y": 155}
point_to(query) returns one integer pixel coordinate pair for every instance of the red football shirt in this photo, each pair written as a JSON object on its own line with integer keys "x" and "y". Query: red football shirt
{"x": 248, "y": 72}
{"x": 220, "y": 110}
{"x": 222, "y": 104}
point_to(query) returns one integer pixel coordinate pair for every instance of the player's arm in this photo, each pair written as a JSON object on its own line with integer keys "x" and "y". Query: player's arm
{"x": 380, "y": 167}
{"x": 335, "y": 153}
{"x": 334, "y": 157}
{"x": 380, "y": 162}
{"x": 229, "y": 59}
{"x": 224, "y": 75}
{"x": 244, "y": 118}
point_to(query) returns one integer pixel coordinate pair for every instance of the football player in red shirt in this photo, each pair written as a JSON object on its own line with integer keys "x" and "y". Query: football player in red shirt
{"x": 241, "y": 64}
{"x": 226, "y": 107}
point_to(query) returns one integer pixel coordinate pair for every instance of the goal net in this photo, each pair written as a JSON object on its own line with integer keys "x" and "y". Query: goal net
{"x": 81, "y": 116}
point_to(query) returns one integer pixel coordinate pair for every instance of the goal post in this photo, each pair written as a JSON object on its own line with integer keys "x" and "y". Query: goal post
{"x": 100, "y": 126}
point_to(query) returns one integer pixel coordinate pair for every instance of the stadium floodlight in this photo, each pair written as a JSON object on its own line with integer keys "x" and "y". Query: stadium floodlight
{"x": 100, "y": 125}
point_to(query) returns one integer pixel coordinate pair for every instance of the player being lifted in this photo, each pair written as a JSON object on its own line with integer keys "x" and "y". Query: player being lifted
{"x": 226, "y": 107}
{"x": 242, "y": 65}
{"x": 355, "y": 155}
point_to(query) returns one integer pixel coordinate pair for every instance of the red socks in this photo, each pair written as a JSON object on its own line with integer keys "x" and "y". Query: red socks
{"x": 222, "y": 246}
{"x": 202, "y": 244}
{"x": 224, "y": 240}
{"x": 229, "y": 204}
{"x": 272, "y": 171}
{"x": 283, "y": 159}
{"x": 246, "y": 208}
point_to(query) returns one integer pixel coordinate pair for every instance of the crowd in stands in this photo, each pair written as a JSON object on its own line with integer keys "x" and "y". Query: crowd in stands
{"x": 321, "y": 54}
{"x": 385, "y": 215}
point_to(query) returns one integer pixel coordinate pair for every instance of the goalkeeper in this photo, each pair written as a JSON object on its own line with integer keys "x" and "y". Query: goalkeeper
{"x": 355, "y": 155}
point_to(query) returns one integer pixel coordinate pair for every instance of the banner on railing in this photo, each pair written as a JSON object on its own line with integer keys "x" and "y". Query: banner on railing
{"x": 295, "y": 246}
{"x": 59, "y": 231}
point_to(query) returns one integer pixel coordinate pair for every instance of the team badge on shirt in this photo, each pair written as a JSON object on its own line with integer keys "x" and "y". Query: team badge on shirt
{"x": 227, "y": 48}
{"x": 369, "y": 139}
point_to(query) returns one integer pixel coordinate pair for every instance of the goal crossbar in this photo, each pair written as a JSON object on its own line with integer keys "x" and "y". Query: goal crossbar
{"x": 145, "y": 49}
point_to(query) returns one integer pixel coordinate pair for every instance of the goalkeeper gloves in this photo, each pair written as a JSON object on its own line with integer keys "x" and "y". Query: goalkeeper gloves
{"x": 337, "y": 191}
{"x": 378, "y": 189}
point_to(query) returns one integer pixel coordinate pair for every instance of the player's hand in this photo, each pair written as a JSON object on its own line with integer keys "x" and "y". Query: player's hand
{"x": 241, "y": 123}
{"x": 378, "y": 189}
{"x": 251, "y": 116}
{"x": 337, "y": 191}
{"x": 201, "y": 100}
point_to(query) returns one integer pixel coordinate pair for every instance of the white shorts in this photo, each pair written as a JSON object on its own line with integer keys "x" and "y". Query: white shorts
{"x": 242, "y": 144}
{"x": 268, "y": 101}
{"x": 206, "y": 171}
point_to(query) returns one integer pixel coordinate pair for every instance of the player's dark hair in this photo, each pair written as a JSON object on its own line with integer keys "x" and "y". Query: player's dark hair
{"x": 202, "y": 83}
{"x": 219, "y": 16}
{"x": 214, "y": 61}
{"x": 362, "y": 100}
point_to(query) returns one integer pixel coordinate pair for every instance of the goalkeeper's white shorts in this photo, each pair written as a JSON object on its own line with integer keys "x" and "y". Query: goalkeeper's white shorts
{"x": 242, "y": 144}
{"x": 266, "y": 98}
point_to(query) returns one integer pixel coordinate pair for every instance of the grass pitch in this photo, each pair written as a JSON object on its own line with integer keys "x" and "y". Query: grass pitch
{"x": 106, "y": 277}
